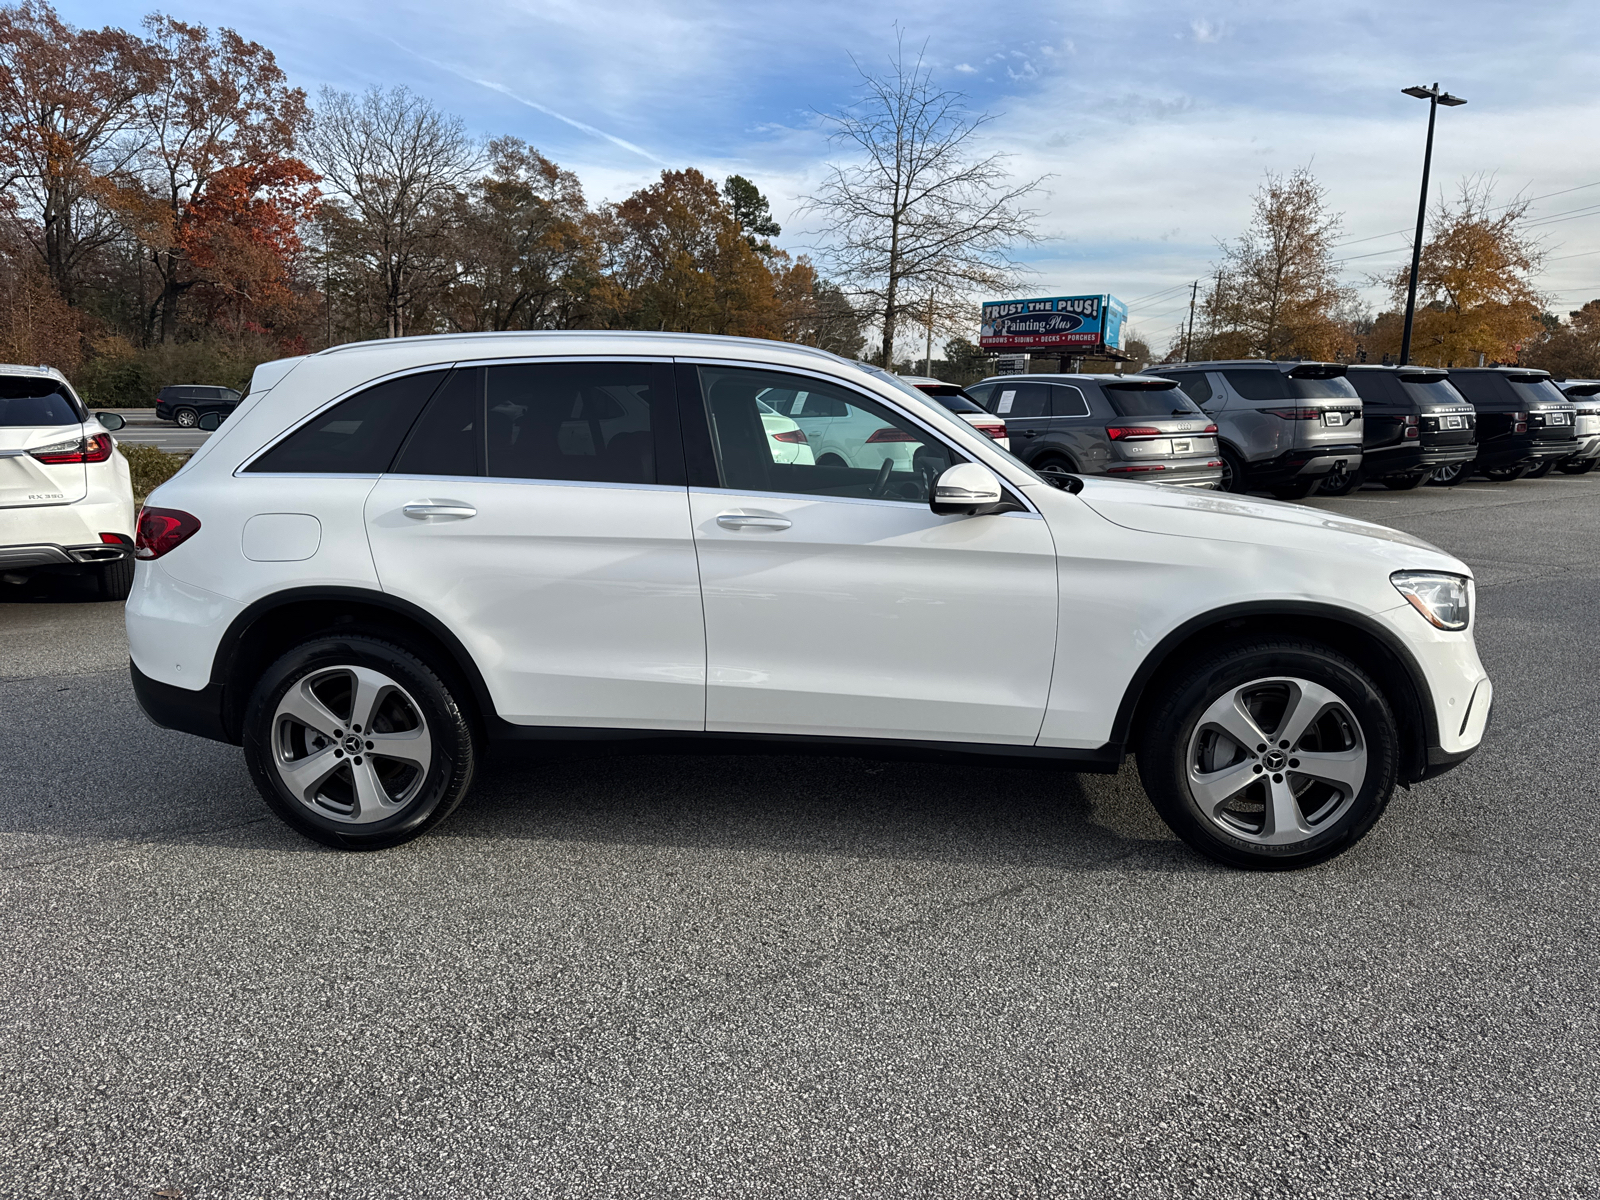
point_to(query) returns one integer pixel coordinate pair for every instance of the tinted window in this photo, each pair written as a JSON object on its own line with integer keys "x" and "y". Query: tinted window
{"x": 28, "y": 400}
{"x": 1195, "y": 385}
{"x": 448, "y": 440}
{"x": 578, "y": 421}
{"x": 1438, "y": 392}
{"x": 856, "y": 447}
{"x": 980, "y": 392}
{"x": 1337, "y": 388}
{"x": 1067, "y": 401}
{"x": 957, "y": 403}
{"x": 1380, "y": 388}
{"x": 1150, "y": 402}
{"x": 1021, "y": 399}
{"x": 1540, "y": 392}
{"x": 1272, "y": 384}
{"x": 358, "y": 436}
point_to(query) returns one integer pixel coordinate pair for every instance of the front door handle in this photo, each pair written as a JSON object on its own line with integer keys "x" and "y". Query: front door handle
{"x": 749, "y": 521}
{"x": 439, "y": 510}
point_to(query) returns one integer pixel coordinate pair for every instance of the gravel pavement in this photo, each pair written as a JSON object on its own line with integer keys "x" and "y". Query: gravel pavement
{"x": 786, "y": 977}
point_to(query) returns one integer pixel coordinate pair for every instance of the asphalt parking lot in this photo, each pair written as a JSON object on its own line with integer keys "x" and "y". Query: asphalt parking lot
{"x": 807, "y": 977}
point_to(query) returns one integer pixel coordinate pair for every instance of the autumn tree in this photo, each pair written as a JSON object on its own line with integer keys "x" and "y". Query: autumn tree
{"x": 1568, "y": 349}
{"x": 917, "y": 215}
{"x": 36, "y": 325}
{"x": 1276, "y": 293}
{"x": 1475, "y": 292}
{"x": 68, "y": 101}
{"x": 395, "y": 167}
{"x": 524, "y": 247}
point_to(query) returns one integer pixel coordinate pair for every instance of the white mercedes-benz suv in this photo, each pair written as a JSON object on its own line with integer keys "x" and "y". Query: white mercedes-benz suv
{"x": 397, "y": 552}
{"x": 66, "y": 501}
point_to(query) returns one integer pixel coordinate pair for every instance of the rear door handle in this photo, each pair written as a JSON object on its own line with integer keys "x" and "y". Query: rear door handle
{"x": 749, "y": 521}
{"x": 1030, "y": 433}
{"x": 439, "y": 510}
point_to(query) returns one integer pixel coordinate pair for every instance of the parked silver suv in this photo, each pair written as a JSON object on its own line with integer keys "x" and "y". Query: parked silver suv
{"x": 1283, "y": 426}
{"x": 1134, "y": 427}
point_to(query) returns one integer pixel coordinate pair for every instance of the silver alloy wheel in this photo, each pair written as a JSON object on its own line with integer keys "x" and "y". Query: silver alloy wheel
{"x": 1447, "y": 474}
{"x": 1275, "y": 761}
{"x": 1055, "y": 470}
{"x": 351, "y": 744}
{"x": 187, "y": 418}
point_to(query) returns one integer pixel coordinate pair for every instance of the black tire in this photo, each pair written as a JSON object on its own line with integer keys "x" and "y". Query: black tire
{"x": 1578, "y": 468}
{"x": 1506, "y": 474}
{"x": 1175, "y": 725}
{"x": 1053, "y": 467}
{"x": 1404, "y": 483}
{"x": 186, "y": 418}
{"x": 115, "y": 578}
{"x": 429, "y": 796}
{"x": 1450, "y": 474}
{"x": 1298, "y": 490}
{"x": 1232, "y": 472}
{"x": 1541, "y": 469}
{"x": 831, "y": 460}
{"x": 1340, "y": 483}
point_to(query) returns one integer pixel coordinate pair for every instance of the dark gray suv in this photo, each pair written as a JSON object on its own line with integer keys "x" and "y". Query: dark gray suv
{"x": 1136, "y": 427}
{"x": 1283, "y": 426}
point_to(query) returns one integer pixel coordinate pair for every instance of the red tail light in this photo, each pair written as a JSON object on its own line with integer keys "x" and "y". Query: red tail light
{"x": 116, "y": 539}
{"x": 890, "y": 434}
{"x": 1519, "y": 422}
{"x": 1209, "y": 429}
{"x": 791, "y": 435}
{"x": 995, "y": 429}
{"x": 81, "y": 450}
{"x": 1412, "y": 431}
{"x": 1295, "y": 414}
{"x": 1118, "y": 432}
{"x": 162, "y": 530}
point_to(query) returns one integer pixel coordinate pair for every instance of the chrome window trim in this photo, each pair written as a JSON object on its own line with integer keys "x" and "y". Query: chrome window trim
{"x": 808, "y": 497}
{"x": 514, "y": 479}
{"x": 756, "y": 364}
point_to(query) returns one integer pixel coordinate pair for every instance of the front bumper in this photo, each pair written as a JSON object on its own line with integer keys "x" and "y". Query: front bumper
{"x": 1460, "y": 696}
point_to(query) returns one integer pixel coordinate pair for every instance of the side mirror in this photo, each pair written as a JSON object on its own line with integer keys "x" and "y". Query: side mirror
{"x": 111, "y": 421}
{"x": 209, "y": 421}
{"x": 968, "y": 489}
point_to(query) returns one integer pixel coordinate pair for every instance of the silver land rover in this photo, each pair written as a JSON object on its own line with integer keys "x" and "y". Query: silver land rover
{"x": 1283, "y": 427}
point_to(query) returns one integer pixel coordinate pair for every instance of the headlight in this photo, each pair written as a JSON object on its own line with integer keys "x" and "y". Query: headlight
{"x": 1442, "y": 599}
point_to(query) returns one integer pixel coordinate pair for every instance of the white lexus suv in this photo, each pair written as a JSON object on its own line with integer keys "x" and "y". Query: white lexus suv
{"x": 395, "y": 553}
{"x": 66, "y": 500}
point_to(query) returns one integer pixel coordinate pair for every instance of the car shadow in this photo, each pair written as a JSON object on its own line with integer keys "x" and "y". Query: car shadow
{"x": 46, "y": 588}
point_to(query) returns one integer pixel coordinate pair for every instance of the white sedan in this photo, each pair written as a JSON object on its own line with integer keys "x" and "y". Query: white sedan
{"x": 65, "y": 493}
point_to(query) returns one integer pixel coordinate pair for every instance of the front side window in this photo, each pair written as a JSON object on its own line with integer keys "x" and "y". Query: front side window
{"x": 1021, "y": 400}
{"x": 859, "y": 448}
{"x": 358, "y": 436}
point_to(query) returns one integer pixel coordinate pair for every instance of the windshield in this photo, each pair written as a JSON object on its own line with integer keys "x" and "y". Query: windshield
{"x": 34, "y": 400}
{"x": 1538, "y": 392}
{"x": 1152, "y": 402}
{"x": 1275, "y": 385}
{"x": 1434, "y": 392}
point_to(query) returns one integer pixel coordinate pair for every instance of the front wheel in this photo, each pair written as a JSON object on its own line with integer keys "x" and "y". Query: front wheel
{"x": 356, "y": 743}
{"x": 1270, "y": 755}
{"x": 1578, "y": 468}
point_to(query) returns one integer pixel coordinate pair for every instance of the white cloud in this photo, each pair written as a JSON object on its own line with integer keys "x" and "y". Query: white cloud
{"x": 966, "y": 68}
{"x": 1205, "y": 31}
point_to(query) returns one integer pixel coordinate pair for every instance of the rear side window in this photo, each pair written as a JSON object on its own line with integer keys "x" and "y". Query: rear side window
{"x": 1151, "y": 402}
{"x": 29, "y": 400}
{"x": 358, "y": 436}
{"x": 576, "y": 421}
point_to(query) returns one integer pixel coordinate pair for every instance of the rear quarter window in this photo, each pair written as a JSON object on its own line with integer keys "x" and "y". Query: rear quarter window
{"x": 357, "y": 436}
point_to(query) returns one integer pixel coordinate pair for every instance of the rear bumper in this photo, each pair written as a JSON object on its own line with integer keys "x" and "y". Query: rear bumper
{"x": 1181, "y": 472}
{"x": 1588, "y": 447}
{"x": 1308, "y": 462}
{"x": 45, "y": 554}
{"x": 1504, "y": 452}
{"x": 199, "y": 713}
{"x": 1403, "y": 460}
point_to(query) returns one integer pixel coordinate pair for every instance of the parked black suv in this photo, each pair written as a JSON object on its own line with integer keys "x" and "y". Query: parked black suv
{"x": 1525, "y": 424}
{"x": 186, "y": 403}
{"x": 1415, "y": 426}
{"x": 1134, "y": 427}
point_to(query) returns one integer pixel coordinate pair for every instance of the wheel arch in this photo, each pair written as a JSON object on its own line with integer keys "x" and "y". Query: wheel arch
{"x": 1377, "y": 650}
{"x": 265, "y": 629}
{"x": 1048, "y": 451}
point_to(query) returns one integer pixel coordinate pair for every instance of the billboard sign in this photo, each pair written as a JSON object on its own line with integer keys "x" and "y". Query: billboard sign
{"x": 1081, "y": 324}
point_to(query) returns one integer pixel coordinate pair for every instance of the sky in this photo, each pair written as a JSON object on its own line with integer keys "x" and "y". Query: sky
{"x": 1154, "y": 122}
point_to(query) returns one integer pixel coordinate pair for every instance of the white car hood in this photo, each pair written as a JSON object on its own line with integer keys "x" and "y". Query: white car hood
{"x": 1185, "y": 512}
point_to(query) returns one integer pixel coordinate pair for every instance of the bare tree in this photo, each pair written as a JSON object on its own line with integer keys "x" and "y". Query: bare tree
{"x": 917, "y": 213}
{"x": 397, "y": 165}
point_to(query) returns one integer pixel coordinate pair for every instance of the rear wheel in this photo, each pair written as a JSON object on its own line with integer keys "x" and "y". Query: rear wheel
{"x": 1054, "y": 468}
{"x": 1506, "y": 474}
{"x": 1450, "y": 474}
{"x": 1340, "y": 482}
{"x": 186, "y": 417}
{"x": 1270, "y": 755}
{"x": 1544, "y": 467}
{"x": 1299, "y": 489}
{"x": 114, "y": 579}
{"x": 1578, "y": 468}
{"x": 1404, "y": 483}
{"x": 357, "y": 743}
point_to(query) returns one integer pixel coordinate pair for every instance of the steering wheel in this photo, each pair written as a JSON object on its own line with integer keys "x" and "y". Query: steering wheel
{"x": 882, "y": 481}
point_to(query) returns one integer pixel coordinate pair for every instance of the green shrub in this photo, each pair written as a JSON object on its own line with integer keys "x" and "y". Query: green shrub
{"x": 150, "y": 467}
{"x": 120, "y": 375}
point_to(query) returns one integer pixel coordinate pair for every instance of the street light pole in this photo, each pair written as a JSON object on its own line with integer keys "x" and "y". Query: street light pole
{"x": 1434, "y": 97}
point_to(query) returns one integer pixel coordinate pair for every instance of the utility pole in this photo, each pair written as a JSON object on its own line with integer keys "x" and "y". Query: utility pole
{"x": 927, "y": 363}
{"x": 1434, "y": 97}
{"x": 1188, "y": 341}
